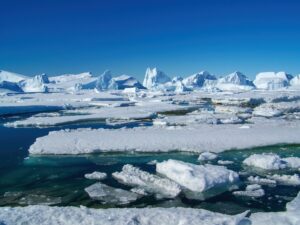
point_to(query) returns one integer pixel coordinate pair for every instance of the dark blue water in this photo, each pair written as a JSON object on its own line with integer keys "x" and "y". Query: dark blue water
{"x": 60, "y": 180}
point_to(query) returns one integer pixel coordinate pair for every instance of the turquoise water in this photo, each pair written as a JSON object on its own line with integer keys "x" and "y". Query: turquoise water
{"x": 60, "y": 180}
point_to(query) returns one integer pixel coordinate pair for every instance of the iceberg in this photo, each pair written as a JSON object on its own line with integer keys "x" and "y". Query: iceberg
{"x": 198, "y": 178}
{"x": 110, "y": 195}
{"x": 135, "y": 177}
{"x": 11, "y": 77}
{"x": 272, "y": 80}
{"x": 103, "y": 80}
{"x": 234, "y": 82}
{"x": 154, "y": 77}
{"x": 295, "y": 82}
{"x": 35, "y": 84}
{"x": 124, "y": 81}
{"x": 197, "y": 80}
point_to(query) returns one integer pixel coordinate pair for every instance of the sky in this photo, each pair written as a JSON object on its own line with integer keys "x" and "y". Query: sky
{"x": 180, "y": 37}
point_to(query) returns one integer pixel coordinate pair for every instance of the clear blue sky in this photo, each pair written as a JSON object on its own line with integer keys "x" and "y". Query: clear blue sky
{"x": 126, "y": 36}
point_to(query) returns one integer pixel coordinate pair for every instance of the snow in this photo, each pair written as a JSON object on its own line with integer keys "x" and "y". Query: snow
{"x": 207, "y": 156}
{"x": 253, "y": 190}
{"x": 110, "y": 195}
{"x": 197, "y": 178}
{"x": 265, "y": 161}
{"x": 272, "y": 80}
{"x": 95, "y": 176}
{"x": 289, "y": 180}
{"x": 154, "y": 77}
{"x": 45, "y": 215}
{"x": 135, "y": 177}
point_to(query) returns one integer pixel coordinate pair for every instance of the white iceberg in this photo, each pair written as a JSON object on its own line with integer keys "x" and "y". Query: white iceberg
{"x": 154, "y": 77}
{"x": 124, "y": 81}
{"x": 135, "y": 177}
{"x": 272, "y": 80}
{"x": 197, "y": 80}
{"x": 34, "y": 84}
{"x": 234, "y": 82}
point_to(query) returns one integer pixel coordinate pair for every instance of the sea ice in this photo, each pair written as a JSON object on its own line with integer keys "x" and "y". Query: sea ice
{"x": 265, "y": 161}
{"x": 207, "y": 156}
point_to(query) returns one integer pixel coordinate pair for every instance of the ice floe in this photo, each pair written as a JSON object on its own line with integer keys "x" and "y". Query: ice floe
{"x": 289, "y": 180}
{"x": 135, "y": 177}
{"x": 110, "y": 195}
{"x": 198, "y": 178}
{"x": 207, "y": 156}
{"x": 265, "y": 161}
{"x": 253, "y": 190}
{"x": 95, "y": 175}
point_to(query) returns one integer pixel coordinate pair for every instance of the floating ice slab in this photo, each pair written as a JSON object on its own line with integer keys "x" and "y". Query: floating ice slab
{"x": 135, "y": 177}
{"x": 110, "y": 195}
{"x": 289, "y": 180}
{"x": 95, "y": 176}
{"x": 197, "y": 138}
{"x": 197, "y": 178}
{"x": 45, "y": 215}
{"x": 272, "y": 162}
{"x": 261, "y": 181}
{"x": 265, "y": 161}
{"x": 207, "y": 156}
{"x": 253, "y": 190}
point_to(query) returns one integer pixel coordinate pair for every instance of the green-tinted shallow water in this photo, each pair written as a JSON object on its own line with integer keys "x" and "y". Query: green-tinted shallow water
{"x": 60, "y": 180}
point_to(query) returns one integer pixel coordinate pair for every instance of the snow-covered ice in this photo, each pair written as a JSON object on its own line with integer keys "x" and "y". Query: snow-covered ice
{"x": 204, "y": 156}
{"x": 44, "y": 215}
{"x": 135, "y": 177}
{"x": 289, "y": 180}
{"x": 261, "y": 181}
{"x": 265, "y": 161}
{"x": 197, "y": 178}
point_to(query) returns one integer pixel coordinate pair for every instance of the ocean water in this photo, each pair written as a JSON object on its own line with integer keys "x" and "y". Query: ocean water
{"x": 59, "y": 180}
